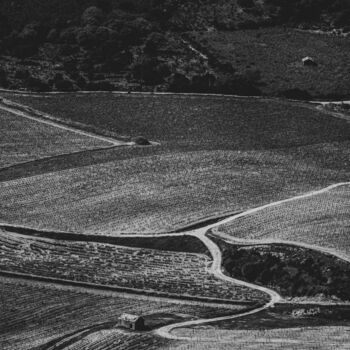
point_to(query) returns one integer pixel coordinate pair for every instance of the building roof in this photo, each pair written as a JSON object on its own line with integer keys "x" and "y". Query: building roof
{"x": 129, "y": 317}
{"x": 308, "y": 58}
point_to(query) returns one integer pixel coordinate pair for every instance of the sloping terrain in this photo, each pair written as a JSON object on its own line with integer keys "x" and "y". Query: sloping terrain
{"x": 23, "y": 140}
{"x": 174, "y": 273}
{"x": 201, "y": 122}
{"x": 271, "y": 58}
{"x": 204, "y": 167}
{"x": 142, "y": 44}
{"x": 322, "y": 220}
{"x": 307, "y": 338}
{"x": 35, "y": 314}
{"x": 157, "y": 193}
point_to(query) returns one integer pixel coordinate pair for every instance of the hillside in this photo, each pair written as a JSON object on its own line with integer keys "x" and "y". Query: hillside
{"x": 172, "y": 45}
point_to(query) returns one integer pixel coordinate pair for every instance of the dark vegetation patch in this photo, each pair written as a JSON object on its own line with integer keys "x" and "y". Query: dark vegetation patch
{"x": 195, "y": 122}
{"x": 138, "y": 45}
{"x": 186, "y": 244}
{"x": 270, "y": 60}
{"x": 291, "y": 316}
{"x": 291, "y": 271}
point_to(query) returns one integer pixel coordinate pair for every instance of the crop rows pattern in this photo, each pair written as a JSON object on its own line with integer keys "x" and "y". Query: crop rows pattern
{"x": 151, "y": 270}
{"x": 118, "y": 340}
{"x": 192, "y": 122}
{"x": 32, "y": 315}
{"x": 306, "y": 338}
{"x": 163, "y": 192}
{"x": 322, "y": 220}
{"x": 25, "y": 140}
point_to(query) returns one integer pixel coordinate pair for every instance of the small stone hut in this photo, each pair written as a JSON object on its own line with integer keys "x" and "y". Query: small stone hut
{"x": 309, "y": 61}
{"x": 133, "y": 322}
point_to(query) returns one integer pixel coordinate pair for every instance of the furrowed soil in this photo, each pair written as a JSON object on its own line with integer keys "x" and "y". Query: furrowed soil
{"x": 35, "y": 315}
{"x": 23, "y": 140}
{"x": 218, "y": 155}
{"x": 174, "y": 274}
{"x": 285, "y": 327}
{"x": 194, "y": 121}
{"x": 322, "y": 220}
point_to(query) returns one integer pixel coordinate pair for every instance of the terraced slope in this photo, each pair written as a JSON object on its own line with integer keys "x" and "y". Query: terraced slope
{"x": 34, "y": 314}
{"x": 171, "y": 273}
{"x": 23, "y": 140}
{"x": 322, "y": 220}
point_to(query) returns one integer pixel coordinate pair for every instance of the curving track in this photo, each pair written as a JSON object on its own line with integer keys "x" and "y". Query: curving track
{"x": 215, "y": 268}
{"x": 217, "y": 261}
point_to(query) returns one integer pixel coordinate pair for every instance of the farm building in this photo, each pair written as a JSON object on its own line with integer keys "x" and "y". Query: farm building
{"x": 309, "y": 61}
{"x": 134, "y": 322}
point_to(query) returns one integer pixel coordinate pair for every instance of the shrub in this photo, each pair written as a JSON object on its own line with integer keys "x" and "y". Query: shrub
{"x": 3, "y": 78}
{"x": 141, "y": 141}
{"x": 86, "y": 37}
{"x": 24, "y": 50}
{"x": 203, "y": 83}
{"x": 29, "y": 34}
{"x": 101, "y": 85}
{"x": 68, "y": 35}
{"x": 246, "y": 3}
{"x": 64, "y": 85}
{"x": 154, "y": 43}
{"x": 53, "y": 35}
{"x": 133, "y": 31}
{"x": 5, "y": 26}
{"x": 296, "y": 94}
{"x": 37, "y": 84}
{"x": 120, "y": 62}
{"x": 92, "y": 16}
{"x": 22, "y": 73}
{"x": 179, "y": 83}
{"x": 147, "y": 70}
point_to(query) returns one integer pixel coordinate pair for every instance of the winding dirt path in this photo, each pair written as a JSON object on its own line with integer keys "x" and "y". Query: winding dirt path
{"x": 216, "y": 266}
{"x": 166, "y": 331}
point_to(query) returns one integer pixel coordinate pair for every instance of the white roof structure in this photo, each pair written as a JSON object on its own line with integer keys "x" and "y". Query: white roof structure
{"x": 307, "y": 58}
{"x": 129, "y": 317}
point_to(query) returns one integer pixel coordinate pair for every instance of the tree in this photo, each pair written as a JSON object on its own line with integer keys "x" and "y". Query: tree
{"x": 92, "y": 16}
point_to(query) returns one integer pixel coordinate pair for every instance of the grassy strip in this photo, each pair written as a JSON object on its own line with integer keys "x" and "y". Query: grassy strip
{"x": 185, "y": 244}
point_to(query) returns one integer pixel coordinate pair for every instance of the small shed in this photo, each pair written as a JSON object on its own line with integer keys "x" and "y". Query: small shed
{"x": 309, "y": 61}
{"x": 129, "y": 321}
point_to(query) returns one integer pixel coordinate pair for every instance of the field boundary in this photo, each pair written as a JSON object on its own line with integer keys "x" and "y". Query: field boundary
{"x": 25, "y": 280}
{"x": 32, "y": 114}
{"x": 157, "y": 93}
{"x": 134, "y": 291}
{"x": 334, "y": 252}
{"x": 215, "y": 268}
{"x": 58, "y": 156}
